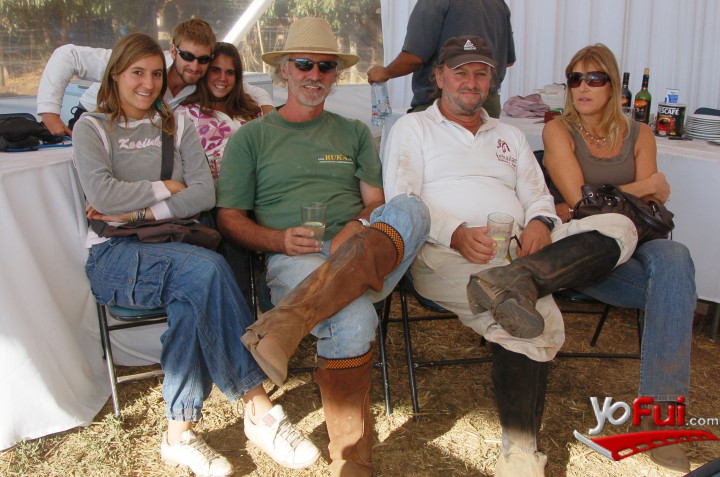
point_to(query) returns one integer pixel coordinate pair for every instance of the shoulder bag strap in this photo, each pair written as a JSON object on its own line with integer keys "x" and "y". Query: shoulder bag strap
{"x": 168, "y": 156}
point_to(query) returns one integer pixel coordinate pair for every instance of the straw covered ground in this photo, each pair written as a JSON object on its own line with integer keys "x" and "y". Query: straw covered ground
{"x": 457, "y": 433}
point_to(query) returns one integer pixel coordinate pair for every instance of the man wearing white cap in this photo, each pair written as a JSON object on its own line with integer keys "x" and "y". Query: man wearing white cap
{"x": 466, "y": 165}
{"x": 302, "y": 153}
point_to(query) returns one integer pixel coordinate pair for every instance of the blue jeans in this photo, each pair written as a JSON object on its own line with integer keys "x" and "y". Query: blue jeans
{"x": 351, "y": 331}
{"x": 660, "y": 280}
{"x": 206, "y": 316}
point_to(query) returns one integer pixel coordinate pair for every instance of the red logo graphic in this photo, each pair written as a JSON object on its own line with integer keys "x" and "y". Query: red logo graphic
{"x": 624, "y": 445}
{"x": 502, "y": 145}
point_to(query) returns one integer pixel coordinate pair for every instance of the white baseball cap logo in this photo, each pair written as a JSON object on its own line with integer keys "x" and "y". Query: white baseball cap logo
{"x": 469, "y": 46}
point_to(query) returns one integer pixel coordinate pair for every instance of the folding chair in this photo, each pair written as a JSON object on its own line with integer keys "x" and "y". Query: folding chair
{"x": 437, "y": 313}
{"x": 130, "y": 318}
{"x": 602, "y": 310}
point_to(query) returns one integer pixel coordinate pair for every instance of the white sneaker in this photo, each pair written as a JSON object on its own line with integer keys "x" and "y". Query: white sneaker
{"x": 275, "y": 435}
{"x": 192, "y": 451}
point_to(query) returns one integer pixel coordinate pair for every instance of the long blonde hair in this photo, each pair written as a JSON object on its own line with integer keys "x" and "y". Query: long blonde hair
{"x": 613, "y": 120}
{"x": 131, "y": 48}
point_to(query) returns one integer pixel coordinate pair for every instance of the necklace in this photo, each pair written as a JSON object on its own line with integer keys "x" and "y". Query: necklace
{"x": 598, "y": 142}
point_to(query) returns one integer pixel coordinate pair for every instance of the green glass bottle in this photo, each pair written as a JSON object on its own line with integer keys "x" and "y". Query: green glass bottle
{"x": 643, "y": 100}
{"x": 626, "y": 95}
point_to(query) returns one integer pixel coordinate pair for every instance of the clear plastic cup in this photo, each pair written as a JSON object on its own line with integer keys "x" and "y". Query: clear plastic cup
{"x": 500, "y": 228}
{"x": 312, "y": 216}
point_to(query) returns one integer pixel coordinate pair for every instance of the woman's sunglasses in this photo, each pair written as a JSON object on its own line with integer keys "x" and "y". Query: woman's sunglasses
{"x": 303, "y": 64}
{"x": 593, "y": 79}
{"x": 189, "y": 57}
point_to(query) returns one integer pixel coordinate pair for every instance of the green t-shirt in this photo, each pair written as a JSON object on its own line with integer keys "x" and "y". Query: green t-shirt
{"x": 271, "y": 166}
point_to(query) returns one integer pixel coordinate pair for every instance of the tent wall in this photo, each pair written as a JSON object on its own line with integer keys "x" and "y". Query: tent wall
{"x": 676, "y": 39}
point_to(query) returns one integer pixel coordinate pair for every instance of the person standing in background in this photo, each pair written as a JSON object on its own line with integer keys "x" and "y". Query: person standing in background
{"x": 431, "y": 24}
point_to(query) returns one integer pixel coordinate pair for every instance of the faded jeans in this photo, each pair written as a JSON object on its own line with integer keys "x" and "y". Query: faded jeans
{"x": 660, "y": 280}
{"x": 206, "y": 316}
{"x": 351, "y": 331}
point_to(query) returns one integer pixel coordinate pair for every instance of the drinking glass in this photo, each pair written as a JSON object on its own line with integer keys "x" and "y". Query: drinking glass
{"x": 500, "y": 228}
{"x": 312, "y": 216}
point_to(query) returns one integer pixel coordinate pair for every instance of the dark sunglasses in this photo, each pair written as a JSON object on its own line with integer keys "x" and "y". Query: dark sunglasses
{"x": 593, "y": 79}
{"x": 303, "y": 64}
{"x": 189, "y": 57}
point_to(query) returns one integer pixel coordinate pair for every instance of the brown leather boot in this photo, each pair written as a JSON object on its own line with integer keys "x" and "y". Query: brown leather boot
{"x": 510, "y": 292}
{"x": 345, "y": 390}
{"x": 671, "y": 457}
{"x": 360, "y": 263}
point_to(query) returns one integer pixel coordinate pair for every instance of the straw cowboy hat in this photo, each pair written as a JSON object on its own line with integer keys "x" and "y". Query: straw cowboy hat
{"x": 311, "y": 35}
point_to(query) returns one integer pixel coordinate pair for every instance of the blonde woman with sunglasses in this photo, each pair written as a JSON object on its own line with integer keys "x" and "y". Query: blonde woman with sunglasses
{"x": 594, "y": 142}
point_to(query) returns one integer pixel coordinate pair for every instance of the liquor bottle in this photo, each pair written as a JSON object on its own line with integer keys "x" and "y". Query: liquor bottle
{"x": 626, "y": 95}
{"x": 642, "y": 100}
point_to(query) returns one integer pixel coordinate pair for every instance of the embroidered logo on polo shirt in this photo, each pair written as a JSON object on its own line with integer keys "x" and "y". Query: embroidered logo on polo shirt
{"x": 335, "y": 158}
{"x": 469, "y": 46}
{"x": 504, "y": 154}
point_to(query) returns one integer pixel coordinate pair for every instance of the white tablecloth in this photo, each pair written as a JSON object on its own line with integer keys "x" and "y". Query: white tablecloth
{"x": 693, "y": 170}
{"x": 52, "y": 376}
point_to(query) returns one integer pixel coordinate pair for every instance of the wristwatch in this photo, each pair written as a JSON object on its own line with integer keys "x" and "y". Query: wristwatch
{"x": 549, "y": 223}
{"x": 364, "y": 222}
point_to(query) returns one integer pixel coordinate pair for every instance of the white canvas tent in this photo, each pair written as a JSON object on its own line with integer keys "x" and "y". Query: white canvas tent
{"x": 676, "y": 39}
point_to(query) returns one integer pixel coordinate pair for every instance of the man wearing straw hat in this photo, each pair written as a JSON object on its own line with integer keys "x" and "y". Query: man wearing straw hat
{"x": 301, "y": 153}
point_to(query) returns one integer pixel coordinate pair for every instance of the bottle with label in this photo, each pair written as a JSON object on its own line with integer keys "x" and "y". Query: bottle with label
{"x": 381, "y": 109}
{"x": 643, "y": 99}
{"x": 626, "y": 95}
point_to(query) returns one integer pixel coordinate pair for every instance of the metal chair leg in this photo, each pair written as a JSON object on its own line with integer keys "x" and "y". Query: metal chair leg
{"x": 107, "y": 353}
{"x": 382, "y": 334}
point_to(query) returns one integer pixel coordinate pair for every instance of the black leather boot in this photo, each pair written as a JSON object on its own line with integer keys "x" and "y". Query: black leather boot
{"x": 520, "y": 386}
{"x": 510, "y": 292}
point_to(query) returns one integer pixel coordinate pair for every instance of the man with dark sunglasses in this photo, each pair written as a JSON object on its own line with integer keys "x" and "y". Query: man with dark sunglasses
{"x": 302, "y": 153}
{"x": 187, "y": 61}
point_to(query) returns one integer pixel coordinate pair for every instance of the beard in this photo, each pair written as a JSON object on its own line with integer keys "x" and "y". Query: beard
{"x": 309, "y": 97}
{"x": 465, "y": 108}
{"x": 187, "y": 77}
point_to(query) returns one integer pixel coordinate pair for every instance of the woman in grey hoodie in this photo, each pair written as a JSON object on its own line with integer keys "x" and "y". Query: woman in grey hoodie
{"x": 118, "y": 155}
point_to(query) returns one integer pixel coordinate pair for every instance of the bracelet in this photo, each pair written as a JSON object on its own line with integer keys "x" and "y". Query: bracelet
{"x": 138, "y": 215}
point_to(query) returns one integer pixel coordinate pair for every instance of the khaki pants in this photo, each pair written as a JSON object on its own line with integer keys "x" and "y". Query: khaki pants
{"x": 442, "y": 274}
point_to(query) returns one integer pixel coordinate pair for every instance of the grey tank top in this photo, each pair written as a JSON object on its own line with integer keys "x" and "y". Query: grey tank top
{"x": 616, "y": 170}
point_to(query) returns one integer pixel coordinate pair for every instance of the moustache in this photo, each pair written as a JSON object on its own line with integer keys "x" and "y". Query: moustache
{"x": 314, "y": 83}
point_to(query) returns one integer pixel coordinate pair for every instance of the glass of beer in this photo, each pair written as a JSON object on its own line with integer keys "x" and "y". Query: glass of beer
{"x": 312, "y": 216}
{"x": 500, "y": 228}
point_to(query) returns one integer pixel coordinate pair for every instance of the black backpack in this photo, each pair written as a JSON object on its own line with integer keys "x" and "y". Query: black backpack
{"x": 22, "y": 132}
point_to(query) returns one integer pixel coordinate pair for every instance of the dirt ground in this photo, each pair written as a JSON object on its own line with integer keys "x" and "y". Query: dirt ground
{"x": 457, "y": 433}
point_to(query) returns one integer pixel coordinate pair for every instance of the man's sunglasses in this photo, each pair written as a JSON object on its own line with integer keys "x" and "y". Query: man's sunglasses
{"x": 303, "y": 64}
{"x": 189, "y": 57}
{"x": 593, "y": 79}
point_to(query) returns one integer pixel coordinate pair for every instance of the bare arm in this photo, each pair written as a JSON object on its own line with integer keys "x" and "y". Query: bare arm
{"x": 404, "y": 64}
{"x": 372, "y": 197}
{"x": 236, "y": 226}
{"x": 649, "y": 183}
{"x": 560, "y": 161}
